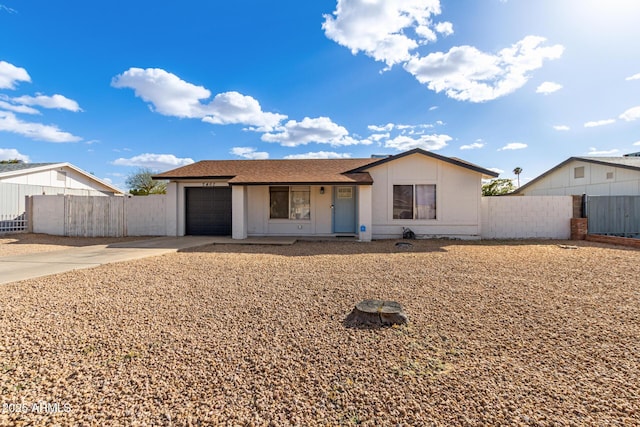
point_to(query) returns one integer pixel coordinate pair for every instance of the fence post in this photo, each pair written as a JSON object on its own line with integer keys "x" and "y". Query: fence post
{"x": 28, "y": 213}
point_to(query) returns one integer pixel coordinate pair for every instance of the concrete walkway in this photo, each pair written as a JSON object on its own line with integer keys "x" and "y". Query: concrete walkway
{"x": 28, "y": 266}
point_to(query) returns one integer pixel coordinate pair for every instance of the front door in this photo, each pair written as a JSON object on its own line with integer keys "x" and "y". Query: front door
{"x": 344, "y": 209}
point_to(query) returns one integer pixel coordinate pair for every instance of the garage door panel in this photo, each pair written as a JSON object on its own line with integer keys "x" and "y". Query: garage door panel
{"x": 208, "y": 211}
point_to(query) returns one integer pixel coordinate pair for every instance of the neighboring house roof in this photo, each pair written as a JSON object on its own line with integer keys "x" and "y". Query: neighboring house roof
{"x": 631, "y": 162}
{"x": 297, "y": 171}
{"x": 14, "y": 169}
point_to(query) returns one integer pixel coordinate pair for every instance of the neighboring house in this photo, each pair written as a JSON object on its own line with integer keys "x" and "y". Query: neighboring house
{"x": 593, "y": 176}
{"x": 18, "y": 180}
{"x": 431, "y": 194}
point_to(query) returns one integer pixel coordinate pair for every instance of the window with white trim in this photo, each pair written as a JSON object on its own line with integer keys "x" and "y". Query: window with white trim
{"x": 289, "y": 202}
{"x": 578, "y": 172}
{"x": 415, "y": 201}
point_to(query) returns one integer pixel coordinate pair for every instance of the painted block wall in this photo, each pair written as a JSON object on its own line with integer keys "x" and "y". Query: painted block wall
{"x": 526, "y": 217}
{"x": 145, "y": 215}
{"x": 48, "y": 215}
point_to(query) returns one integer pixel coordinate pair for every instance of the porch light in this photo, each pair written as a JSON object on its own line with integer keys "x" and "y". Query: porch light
{"x": 321, "y": 190}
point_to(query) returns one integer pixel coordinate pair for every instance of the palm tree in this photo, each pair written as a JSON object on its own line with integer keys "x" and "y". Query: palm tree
{"x": 518, "y": 171}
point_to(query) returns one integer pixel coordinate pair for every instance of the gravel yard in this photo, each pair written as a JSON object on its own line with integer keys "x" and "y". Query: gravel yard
{"x": 500, "y": 333}
{"x": 28, "y": 243}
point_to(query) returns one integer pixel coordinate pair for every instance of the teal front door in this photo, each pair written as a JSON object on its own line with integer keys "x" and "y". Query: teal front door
{"x": 344, "y": 209}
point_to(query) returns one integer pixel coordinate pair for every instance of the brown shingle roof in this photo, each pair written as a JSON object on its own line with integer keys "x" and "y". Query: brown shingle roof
{"x": 305, "y": 171}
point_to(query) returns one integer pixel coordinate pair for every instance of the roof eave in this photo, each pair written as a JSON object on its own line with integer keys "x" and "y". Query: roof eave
{"x": 483, "y": 171}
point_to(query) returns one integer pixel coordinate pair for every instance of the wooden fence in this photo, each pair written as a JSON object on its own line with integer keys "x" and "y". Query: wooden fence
{"x": 96, "y": 216}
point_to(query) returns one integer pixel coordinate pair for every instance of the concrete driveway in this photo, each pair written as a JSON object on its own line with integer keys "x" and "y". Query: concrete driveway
{"x": 22, "y": 267}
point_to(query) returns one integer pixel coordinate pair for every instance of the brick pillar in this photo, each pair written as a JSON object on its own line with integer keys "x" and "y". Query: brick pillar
{"x": 577, "y": 207}
{"x": 578, "y": 228}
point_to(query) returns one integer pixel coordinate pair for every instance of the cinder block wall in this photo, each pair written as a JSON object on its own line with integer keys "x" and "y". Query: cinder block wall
{"x": 527, "y": 217}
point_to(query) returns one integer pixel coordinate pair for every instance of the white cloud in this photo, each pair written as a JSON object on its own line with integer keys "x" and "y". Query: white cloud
{"x": 562, "y": 127}
{"x": 12, "y": 153}
{"x": 595, "y": 152}
{"x": 631, "y": 114}
{"x": 154, "y": 161}
{"x": 7, "y": 9}
{"x": 23, "y": 109}
{"x": 496, "y": 170}
{"x": 548, "y": 87}
{"x": 444, "y": 28}
{"x": 636, "y": 143}
{"x": 385, "y": 128}
{"x": 634, "y": 77}
{"x": 383, "y": 29}
{"x": 10, "y": 75}
{"x": 433, "y": 108}
{"x": 404, "y": 129}
{"x": 472, "y": 146}
{"x": 379, "y": 136}
{"x": 249, "y": 153}
{"x": 37, "y": 131}
{"x": 171, "y": 96}
{"x": 513, "y": 146}
{"x": 235, "y": 108}
{"x": 320, "y": 130}
{"x": 427, "y": 142}
{"x": 320, "y": 155}
{"x": 467, "y": 74}
{"x": 599, "y": 123}
{"x": 56, "y": 101}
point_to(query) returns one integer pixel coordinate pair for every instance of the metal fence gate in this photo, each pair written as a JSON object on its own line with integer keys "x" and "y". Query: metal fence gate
{"x": 614, "y": 215}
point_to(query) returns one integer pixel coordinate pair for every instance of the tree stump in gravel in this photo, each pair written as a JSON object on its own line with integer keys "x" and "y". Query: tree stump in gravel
{"x": 376, "y": 313}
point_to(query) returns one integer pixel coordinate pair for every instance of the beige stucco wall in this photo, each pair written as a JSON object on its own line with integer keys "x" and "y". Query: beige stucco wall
{"x": 458, "y": 193}
{"x": 561, "y": 182}
{"x": 259, "y": 223}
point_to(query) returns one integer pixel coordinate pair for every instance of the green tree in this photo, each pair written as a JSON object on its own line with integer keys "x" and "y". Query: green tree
{"x": 498, "y": 187}
{"x": 140, "y": 183}
{"x": 517, "y": 171}
{"x": 10, "y": 161}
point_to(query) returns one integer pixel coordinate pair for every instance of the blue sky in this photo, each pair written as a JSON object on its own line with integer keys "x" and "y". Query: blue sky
{"x": 114, "y": 86}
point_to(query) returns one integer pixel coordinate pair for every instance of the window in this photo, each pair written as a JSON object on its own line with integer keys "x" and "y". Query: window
{"x": 279, "y": 202}
{"x": 578, "y": 172}
{"x": 609, "y": 175}
{"x": 61, "y": 176}
{"x": 414, "y": 201}
{"x": 289, "y": 203}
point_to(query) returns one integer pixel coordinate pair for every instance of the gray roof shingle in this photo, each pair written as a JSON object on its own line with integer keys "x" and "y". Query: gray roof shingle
{"x": 12, "y": 167}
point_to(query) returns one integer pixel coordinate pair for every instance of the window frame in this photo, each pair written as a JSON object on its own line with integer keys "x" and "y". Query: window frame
{"x": 416, "y": 209}
{"x": 575, "y": 172}
{"x": 291, "y": 207}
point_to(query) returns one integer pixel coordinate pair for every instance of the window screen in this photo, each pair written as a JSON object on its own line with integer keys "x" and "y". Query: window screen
{"x": 425, "y": 202}
{"x": 403, "y": 202}
{"x": 279, "y": 202}
{"x": 300, "y": 203}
